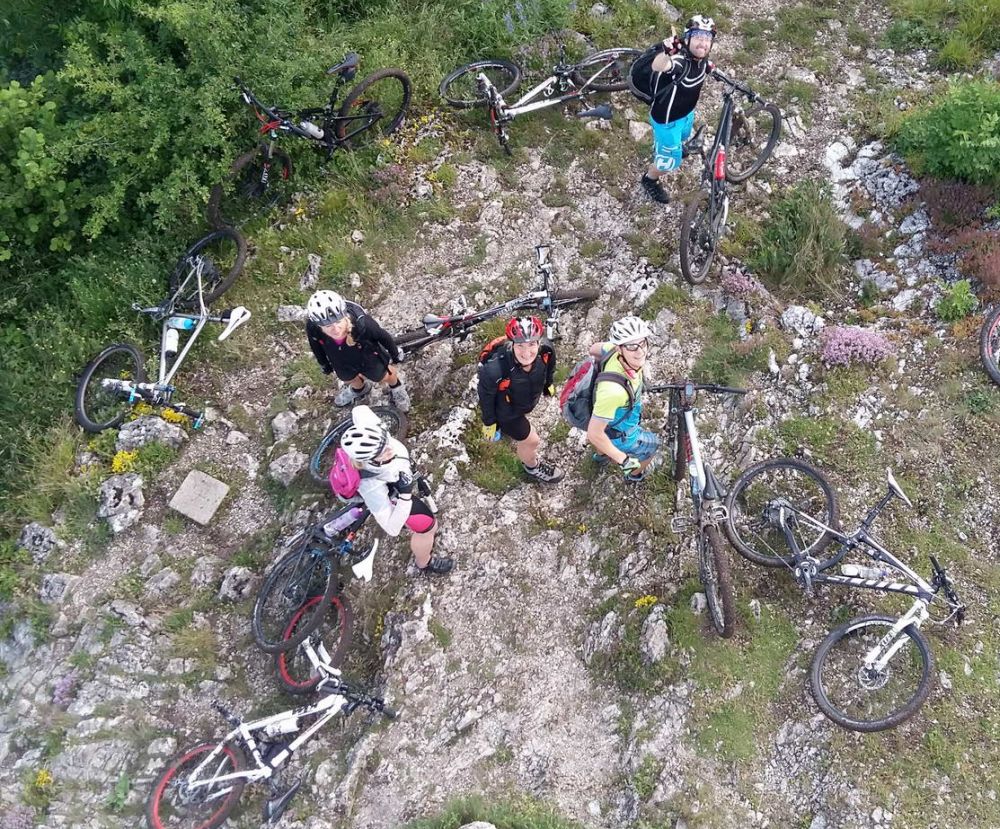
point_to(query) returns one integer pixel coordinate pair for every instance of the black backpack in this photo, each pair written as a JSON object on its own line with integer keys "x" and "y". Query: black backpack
{"x": 641, "y": 82}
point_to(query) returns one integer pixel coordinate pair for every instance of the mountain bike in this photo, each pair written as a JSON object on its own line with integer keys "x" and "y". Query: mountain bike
{"x": 201, "y": 786}
{"x": 321, "y": 462}
{"x": 488, "y": 83}
{"x": 458, "y": 326}
{"x": 989, "y": 344}
{"x": 284, "y": 612}
{"x": 707, "y": 496}
{"x": 371, "y": 111}
{"x": 875, "y": 671}
{"x": 744, "y": 140}
{"x": 115, "y": 380}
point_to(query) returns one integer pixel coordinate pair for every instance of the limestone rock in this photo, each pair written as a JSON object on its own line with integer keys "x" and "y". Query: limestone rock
{"x": 284, "y": 425}
{"x": 285, "y": 469}
{"x": 237, "y": 584}
{"x": 653, "y": 642}
{"x": 121, "y": 501}
{"x": 149, "y": 429}
{"x": 38, "y": 540}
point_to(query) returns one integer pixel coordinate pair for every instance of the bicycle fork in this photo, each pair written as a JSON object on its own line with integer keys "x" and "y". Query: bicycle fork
{"x": 877, "y": 659}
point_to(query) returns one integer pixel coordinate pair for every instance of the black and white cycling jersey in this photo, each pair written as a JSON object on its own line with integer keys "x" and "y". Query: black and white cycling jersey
{"x": 676, "y": 90}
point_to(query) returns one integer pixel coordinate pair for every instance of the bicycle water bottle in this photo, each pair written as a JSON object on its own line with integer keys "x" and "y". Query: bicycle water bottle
{"x": 310, "y": 129}
{"x": 171, "y": 339}
{"x": 342, "y": 522}
{"x": 181, "y": 323}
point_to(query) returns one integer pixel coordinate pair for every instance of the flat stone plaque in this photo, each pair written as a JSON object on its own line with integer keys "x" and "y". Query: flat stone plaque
{"x": 199, "y": 496}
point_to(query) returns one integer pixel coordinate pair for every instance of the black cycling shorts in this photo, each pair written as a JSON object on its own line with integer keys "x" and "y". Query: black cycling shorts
{"x": 517, "y": 429}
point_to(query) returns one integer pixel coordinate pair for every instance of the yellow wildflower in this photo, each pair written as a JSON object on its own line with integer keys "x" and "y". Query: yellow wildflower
{"x": 645, "y": 601}
{"x": 172, "y": 416}
{"x": 43, "y": 779}
{"x": 123, "y": 461}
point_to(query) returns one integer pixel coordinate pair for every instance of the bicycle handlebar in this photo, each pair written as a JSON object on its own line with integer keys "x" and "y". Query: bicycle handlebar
{"x": 355, "y": 697}
{"x": 275, "y": 114}
{"x": 719, "y": 75}
{"x": 715, "y": 388}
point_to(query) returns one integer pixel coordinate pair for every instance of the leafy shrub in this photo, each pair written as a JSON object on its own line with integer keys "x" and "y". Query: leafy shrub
{"x": 957, "y": 302}
{"x": 979, "y": 255}
{"x": 12, "y": 560}
{"x": 909, "y": 35}
{"x": 845, "y": 345}
{"x": 802, "y": 246}
{"x": 955, "y": 204}
{"x": 958, "y": 137}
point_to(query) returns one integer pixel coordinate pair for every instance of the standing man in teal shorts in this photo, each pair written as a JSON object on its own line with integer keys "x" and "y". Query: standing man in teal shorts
{"x": 669, "y": 77}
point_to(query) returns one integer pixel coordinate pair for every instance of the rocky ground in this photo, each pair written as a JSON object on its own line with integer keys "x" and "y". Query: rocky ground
{"x": 567, "y": 657}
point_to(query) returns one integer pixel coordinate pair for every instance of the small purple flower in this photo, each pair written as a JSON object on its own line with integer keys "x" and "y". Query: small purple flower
{"x": 18, "y": 817}
{"x": 519, "y": 8}
{"x": 64, "y": 691}
{"x": 740, "y": 284}
{"x": 845, "y": 345}
{"x": 508, "y": 22}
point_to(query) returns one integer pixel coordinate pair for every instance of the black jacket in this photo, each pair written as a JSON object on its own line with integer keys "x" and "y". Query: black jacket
{"x": 371, "y": 337}
{"x": 507, "y": 391}
{"x": 671, "y": 94}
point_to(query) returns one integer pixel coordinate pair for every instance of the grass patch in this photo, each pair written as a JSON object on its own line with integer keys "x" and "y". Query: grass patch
{"x": 492, "y": 466}
{"x": 666, "y": 295}
{"x": 834, "y": 442}
{"x": 257, "y": 552}
{"x": 727, "y": 359}
{"x": 441, "y": 634}
{"x": 519, "y": 813}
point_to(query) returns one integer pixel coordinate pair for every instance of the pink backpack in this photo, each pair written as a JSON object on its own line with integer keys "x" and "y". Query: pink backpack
{"x": 344, "y": 478}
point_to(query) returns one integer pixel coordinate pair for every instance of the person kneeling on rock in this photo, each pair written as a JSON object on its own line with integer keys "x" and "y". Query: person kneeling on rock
{"x": 386, "y": 487}
{"x": 346, "y": 340}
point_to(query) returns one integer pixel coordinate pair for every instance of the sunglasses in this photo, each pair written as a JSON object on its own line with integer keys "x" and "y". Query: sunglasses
{"x": 331, "y": 320}
{"x": 643, "y": 344}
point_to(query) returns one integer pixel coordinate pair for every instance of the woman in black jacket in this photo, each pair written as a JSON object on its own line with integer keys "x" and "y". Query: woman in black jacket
{"x": 348, "y": 342}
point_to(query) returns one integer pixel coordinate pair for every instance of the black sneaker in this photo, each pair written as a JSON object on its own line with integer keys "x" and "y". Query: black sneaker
{"x": 437, "y": 566}
{"x": 546, "y": 473}
{"x": 654, "y": 189}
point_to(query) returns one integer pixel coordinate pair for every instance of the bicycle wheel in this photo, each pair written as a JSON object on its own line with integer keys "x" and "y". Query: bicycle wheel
{"x": 321, "y": 462}
{"x": 97, "y": 408}
{"x": 296, "y": 673}
{"x": 713, "y": 570}
{"x": 417, "y": 338}
{"x": 460, "y": 89}
{"x": 867, "y": 699}
{"x": 563, "y": 299}
{"x": 254, "y": 185}
{"x": 176, "y": 802}
{"x": 701, "y": 227}
{"x": 305, "y": 572}
{"x": 374, "y": 108}
{"x": 989, "y": 344}
{"x": 754, "y": 136}
{"x": 752, "y": 505}
{"x": 613, "y": 65}
{"x": 224, "y": 252}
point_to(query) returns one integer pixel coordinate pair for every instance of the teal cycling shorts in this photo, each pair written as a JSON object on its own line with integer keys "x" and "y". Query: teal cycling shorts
{"x": 667, "y": 141}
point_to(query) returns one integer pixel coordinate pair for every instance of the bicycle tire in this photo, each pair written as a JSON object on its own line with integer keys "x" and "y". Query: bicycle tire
{"x": 563, "y": 299}
{"x": 824, "y": 682}
{"x": 218, "y": 281}
{"x": 740, "y": 502}
{"x": 742, "y": 131}
{"x": 84, "y": 410}
{"x": 714, "y": 573}
{"x": 289, "y": 665}
{"x": 417, "y": 335}
{"x": 295, "y": 579}
{"x": 348, "y": 133}
{"x": 623, "y": 59}
{"x": 395, "y": 422}
{"x": 695, "y": 237}
{"x": 242, "y": 195}
{"x": 989, "y": 344}
{"x": 450, "y": 88}
{"x": 159, "y": 809}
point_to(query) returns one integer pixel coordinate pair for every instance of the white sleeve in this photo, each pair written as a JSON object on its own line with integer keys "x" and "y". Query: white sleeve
{"x": 391, "y": 516}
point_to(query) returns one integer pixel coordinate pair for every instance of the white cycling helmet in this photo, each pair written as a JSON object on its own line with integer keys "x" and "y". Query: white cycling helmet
{"x": 325, "y": 307}
{"x": 699, "y": 23}
{"x": 629, "y": 330}
{"x": 363, "y": 443}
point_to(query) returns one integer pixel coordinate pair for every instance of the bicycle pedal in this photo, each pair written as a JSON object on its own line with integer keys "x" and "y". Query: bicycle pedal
{"x": 717, "y": 513}
{"x": 681, "y": 524}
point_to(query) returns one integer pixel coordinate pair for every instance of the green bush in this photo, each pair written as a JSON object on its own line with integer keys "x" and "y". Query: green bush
{"x": 961, "y": 31}
{"x": 958, "y": 137}
{"x": 957, "y": 302}
{"x": 801, "y": 249}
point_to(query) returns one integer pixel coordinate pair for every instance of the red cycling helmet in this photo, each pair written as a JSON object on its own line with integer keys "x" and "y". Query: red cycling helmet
{"x": 524, "y": 330}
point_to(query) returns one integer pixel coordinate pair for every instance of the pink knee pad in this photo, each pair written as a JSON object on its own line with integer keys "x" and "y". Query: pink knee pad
{"x": 420, "y": 523}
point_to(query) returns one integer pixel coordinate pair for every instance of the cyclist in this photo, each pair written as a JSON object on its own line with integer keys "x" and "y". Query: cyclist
{"x": 511, "y": 380}
{"x": 614, "y": 429}
{"x": 347, "y": 341}
{"x": 673, "y": 81}
{"x": 386, "y": 487}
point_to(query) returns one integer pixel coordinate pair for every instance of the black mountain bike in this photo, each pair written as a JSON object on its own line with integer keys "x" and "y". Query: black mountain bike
{"x": 744, "y": 140}
{"x": 707, "y": 499}
{"x": 259, "y": 178}
{"x": 458, "y": 326}
{"x": 488, "y": 82}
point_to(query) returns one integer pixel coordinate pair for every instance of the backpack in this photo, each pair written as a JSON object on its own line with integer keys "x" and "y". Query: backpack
{"x": 494, "y": 349}
{"x": 576, "y": 400}
{"x": 640, "y": 75}
{"x": 344, "y": 478}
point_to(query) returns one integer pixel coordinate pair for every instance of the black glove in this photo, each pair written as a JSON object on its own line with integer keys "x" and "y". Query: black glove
{"x": 404, "y": 486}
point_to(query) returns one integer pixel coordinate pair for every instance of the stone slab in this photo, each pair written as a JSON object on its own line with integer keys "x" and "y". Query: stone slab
{"x": 199, "y": 496}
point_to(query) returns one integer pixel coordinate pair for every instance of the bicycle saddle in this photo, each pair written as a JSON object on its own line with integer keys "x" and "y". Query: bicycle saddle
{"x": 432, "y": 320}
{"x": 365, "y": 568}
{"x": 348, "y": 67}
{"x": 234, "y": 318}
